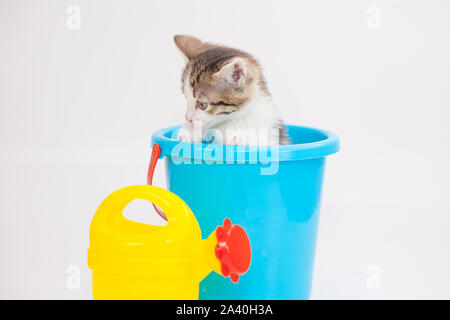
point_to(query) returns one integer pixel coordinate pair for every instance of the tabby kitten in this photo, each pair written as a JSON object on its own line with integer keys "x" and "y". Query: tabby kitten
{"x": 227, "y": 98}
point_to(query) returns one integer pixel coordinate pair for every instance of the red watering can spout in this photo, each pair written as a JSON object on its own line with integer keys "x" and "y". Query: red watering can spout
{"x": 233, "y": 250}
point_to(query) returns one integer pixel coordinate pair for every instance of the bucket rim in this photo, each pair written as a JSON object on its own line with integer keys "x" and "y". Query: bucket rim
{"x": 329, "y": 144}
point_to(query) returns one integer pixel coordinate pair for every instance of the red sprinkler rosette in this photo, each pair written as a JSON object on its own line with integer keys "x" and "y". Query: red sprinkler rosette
{"x": 233, "y": 250}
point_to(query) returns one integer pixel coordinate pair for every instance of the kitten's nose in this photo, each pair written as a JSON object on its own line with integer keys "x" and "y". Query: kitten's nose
{"x": 188, "y": 117}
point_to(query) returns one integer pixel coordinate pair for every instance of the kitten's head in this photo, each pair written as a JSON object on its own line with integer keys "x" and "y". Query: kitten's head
{"x": 217, "y": 81}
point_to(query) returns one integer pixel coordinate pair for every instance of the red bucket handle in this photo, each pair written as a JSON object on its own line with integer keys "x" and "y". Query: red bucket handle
{"x": 156, "y": 153}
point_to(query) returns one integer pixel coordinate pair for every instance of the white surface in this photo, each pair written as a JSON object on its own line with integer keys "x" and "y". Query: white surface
{"x": 77, "y": 108}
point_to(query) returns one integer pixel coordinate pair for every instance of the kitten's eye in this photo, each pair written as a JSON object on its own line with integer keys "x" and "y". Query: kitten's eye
{"x": 202, "y": 105}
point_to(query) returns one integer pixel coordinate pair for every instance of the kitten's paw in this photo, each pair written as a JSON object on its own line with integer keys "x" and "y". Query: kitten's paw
{"x": 189, "y": 135}
{"x": 184, "y": 135}
{"x": 236, "y": 140}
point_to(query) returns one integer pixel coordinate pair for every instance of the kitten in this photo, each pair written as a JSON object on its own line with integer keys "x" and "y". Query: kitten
{"x": 227, "y": 98}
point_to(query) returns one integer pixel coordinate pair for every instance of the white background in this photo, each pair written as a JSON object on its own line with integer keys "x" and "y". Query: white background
{"x": 78, "y": 107}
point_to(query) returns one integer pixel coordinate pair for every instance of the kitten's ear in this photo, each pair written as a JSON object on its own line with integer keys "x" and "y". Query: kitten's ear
{"x": 235, "y": 72}
{"x": 190, "y": 46}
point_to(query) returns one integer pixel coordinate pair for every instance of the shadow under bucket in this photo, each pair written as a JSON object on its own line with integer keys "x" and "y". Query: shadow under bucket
{"x": 273, "y": 192}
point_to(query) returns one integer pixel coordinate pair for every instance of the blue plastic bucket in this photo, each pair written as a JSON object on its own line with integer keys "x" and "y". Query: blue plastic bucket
{"x": 273, "y": 192}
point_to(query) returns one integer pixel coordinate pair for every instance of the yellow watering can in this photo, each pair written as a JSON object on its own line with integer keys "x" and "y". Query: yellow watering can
{"x": 133, "y": 260}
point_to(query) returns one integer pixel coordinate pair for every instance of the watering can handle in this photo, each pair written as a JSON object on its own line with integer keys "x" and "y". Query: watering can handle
{"x": 156, "y": 153}
{"x": 113, "y": 206}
